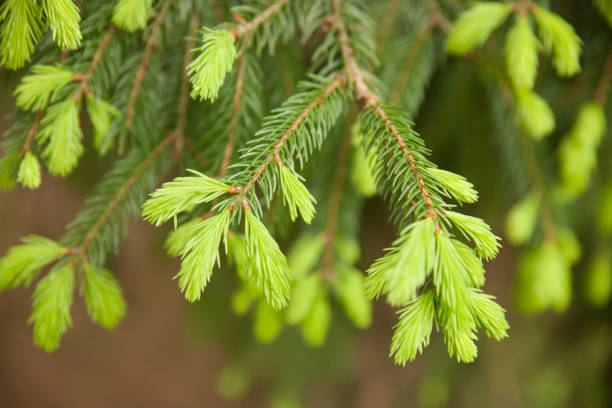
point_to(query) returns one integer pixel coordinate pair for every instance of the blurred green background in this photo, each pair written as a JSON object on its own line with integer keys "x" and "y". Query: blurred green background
{"x": 168, "y": 353}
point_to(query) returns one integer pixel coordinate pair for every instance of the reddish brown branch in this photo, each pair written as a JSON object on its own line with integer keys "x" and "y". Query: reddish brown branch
{"x": 246, "y": 28}
{"x": 31, "y": 133}
{"x": 144, "y": 63}
{"x": 231, "y": 135}
{"x": 125, "y": 188}
{"x": 333, "y": 209}
{"x": 84, "y": 87}
{"x": 335, "y": 84}
{"x": 367, "y": 98}
{"x": 184, "y": 92}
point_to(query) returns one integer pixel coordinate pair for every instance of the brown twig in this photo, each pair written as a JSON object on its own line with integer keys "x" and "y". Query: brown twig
{"x": 84, "y": 79}
{"x": 246, "y": 28}
{"x": 184, "y": 92}
{"x": 144, "y": 62}
{"x": 335, "y": 84}
{"x": 418, "y": 44}
{"x": 333, "y": 209}
{"x": 31, "y": 133}
{"x": 436, "y": 17}
{"x": 125, "y": 188}
{"x": 367, "y": 98}
{"x": 231, "y": 135}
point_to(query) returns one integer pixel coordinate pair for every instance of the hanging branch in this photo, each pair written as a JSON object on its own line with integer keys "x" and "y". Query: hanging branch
{"x": 246, "y": 28}
{"x": 85, "y": 78}
{"x": 144, "y": 63}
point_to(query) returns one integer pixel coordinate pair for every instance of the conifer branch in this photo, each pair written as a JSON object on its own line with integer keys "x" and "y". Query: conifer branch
{"x": 244, "y": 29}
{"x": 386, "y": 25}
{"x": 418, "y": 44}
{"x": 84, "y": 79}
{"x": 144, "y": 62}
{"x": 122, "y": 191}
{"x": 335, "y": 84}
{"x": 333, "y": 209}
{"x": 603, "y": 87}
{"x": 237, "y": 101}
{"x": 367, "y": 98}
{"x": 436, "y": 17}
{"x": 184, "y": 91}
{"x": 31, "y": 133}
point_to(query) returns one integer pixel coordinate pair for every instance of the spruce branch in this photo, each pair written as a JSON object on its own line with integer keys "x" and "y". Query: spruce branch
{"x": 237, "y": 102}
{"x": 333, "y": 208}
{"x": 244, "y": 29}
{"x": 121, "y": 193}
{"x": 184, "y": 90}
{"x": 97, "y": 58}
{"x": 150, "y": 46}
{"x": 331, "y": 87}
{"x": 31, "y": 133}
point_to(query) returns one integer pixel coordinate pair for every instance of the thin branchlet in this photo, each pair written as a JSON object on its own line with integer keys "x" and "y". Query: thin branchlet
{"x": 271, "y": 157}
{"x": 144, "y": 63}
{"x": 231, "y": 134}
{"x": 333, "y": 209}
{"x": 366, "y": 98}
{"x": 85, "y": 78}
{"x": 123, "y": 190}
{"x": 184, "y": 92}
{"x": 245, "y": 28}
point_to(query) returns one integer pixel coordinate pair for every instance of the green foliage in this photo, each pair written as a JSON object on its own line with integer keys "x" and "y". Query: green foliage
{"x": 39, "y": 88}
{"x": 389, "y": 275}
{"x": 268, "y": 323}
{"x": 559, "y": 38}
{"x": 103, "y": 297}
{"x": 413, "y": 329}
{"x": 248, "y": 160}
{"x": 179, "y": 237}
{"x": 22, "y": 263}
{"x": 200, "y": 254}
{"x": 478, "y": 231}
{"x": 181, "y": 194}
{"x": 475, "y": 25}
{"x": 351, "y": 293}
{"x": 598, "y": 287}
{"x": 490, "y": 315}
{"x": 317, "y": 323}
{"x": 535, "y": 115}
{"x": 578, "y": 150}
{"x": 61, "y": 132}
{"x": 521, "y": 50}
{"x": 303, "y": 296}
{"x": 207, "y": 71}
{"x": 296, "y": 195}
{"x": 29, "y": 171}
{"x": 455, "y": 186}
{"x": 305, "y": 254}
{"x": 132, "y": 15}
{"x": 361, "y": 173}
{"x": 20, "y": 30}
{"x": 64, "y": 18}
{"x": 52, "y": 300}
{"x": 544, "y": 279}
{"x": 269, "y": 270}
{"x": 101, "y": 114}
{"x": 605, "y": 8}
{"x": 521, "y": 220}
